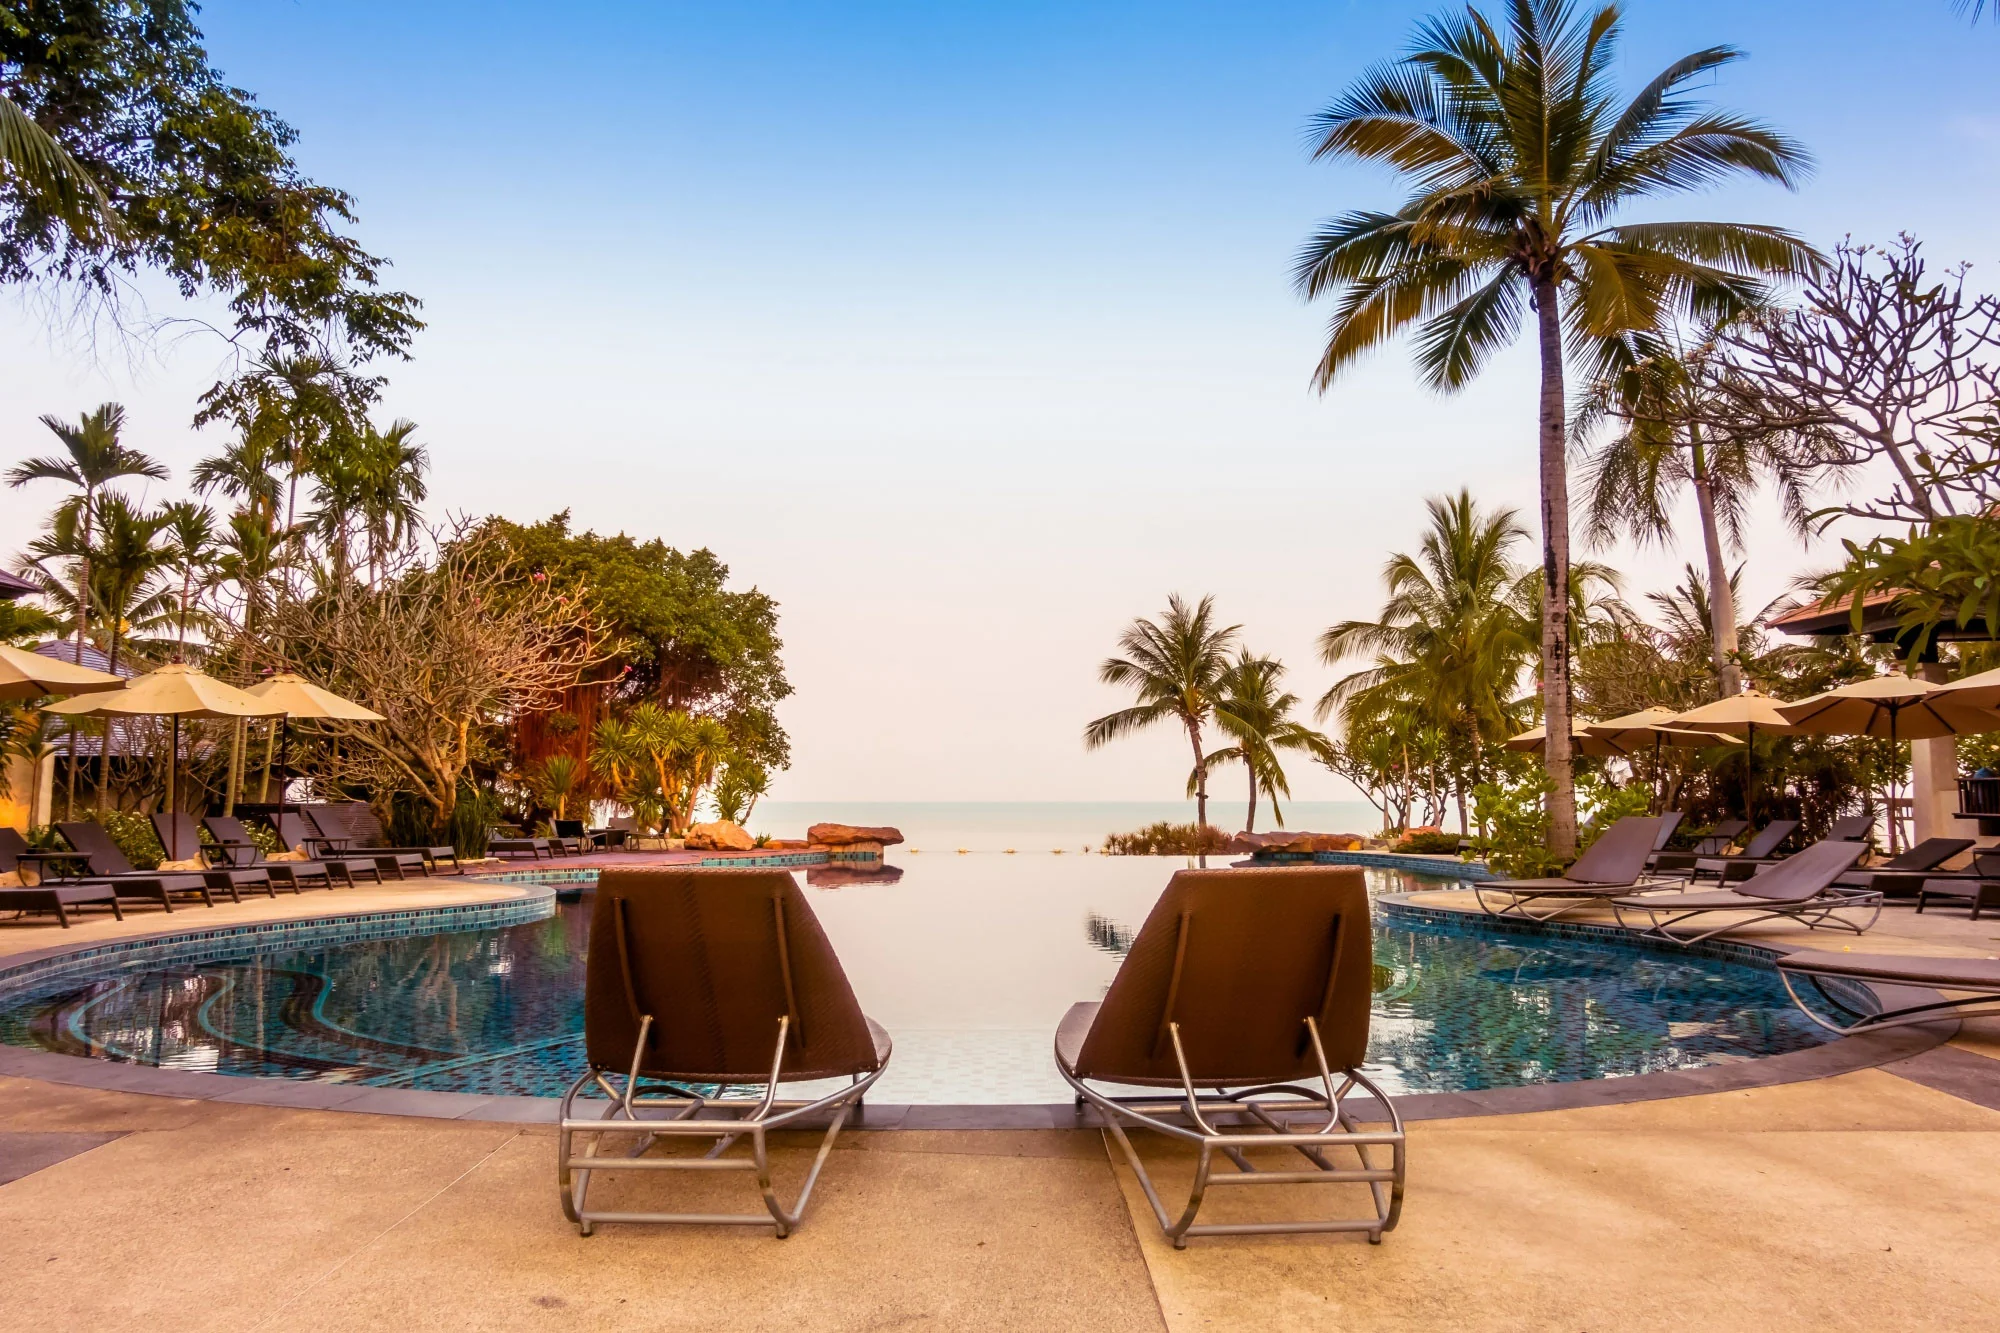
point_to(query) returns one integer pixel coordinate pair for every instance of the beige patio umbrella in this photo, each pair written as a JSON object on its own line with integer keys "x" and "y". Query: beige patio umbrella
{"x": 26, "y": 675}
{"x": 1580, "y": 735}
{"x": 1981, "y": 691}
{"x": 1739, "y": 715}
{"x": 295, "y": 696}
{"x": 176, "y": 690}
{"x": 1653, "y": 727}
{"x": 1894, "y": 707}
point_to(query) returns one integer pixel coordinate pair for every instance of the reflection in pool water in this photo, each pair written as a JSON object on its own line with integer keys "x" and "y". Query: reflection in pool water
{"x": 968, "y": 963}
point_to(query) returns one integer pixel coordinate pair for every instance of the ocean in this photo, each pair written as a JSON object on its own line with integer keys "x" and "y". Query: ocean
{"x": 1042, "y": 826}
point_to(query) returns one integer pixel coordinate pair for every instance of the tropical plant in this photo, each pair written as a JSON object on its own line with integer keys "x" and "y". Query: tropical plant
{"x": 555, "y": 780}
{"x": 191, "y": 548}
{"x": 1176, "y": 666}
{"x": 1167, "y": 838}
{"x": 246, "y": 472}
{"x": 1255, "y": 713}
{"x": 738, "y": 788}
{"x": 1520, "y": 154}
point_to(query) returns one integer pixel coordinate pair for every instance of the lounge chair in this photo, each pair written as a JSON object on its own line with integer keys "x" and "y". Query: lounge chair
{"x": 1757, "y": 853}
{"x": 512, "y": 842}
{"x": 332, "y": 835}
{"x": 1978, "y": 888}
{"x": 1904, "y": 874}
{"x": 1850, "y": 828}
{"x": 572, "y": 836}
{"x": 1252, "y": 980}
{"x": 299, "y": 836}
{"x": 52, "y": 896}
{"x": 234, "y": 845}
{"x": 355, "y": 821}
{"x": 105, "y": 862}
{"x": 1799, "y": 888}
{"x": 182, "y": 842}
{"x": 1715, "y": 842}
{"x": 1608, "y": 867}
{"x": 1976, "y": 981}
{"x": 698, "y": 983}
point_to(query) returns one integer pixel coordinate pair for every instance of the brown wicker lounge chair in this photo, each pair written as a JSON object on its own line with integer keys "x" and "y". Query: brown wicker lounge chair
{"x": 299, "y": 836}
{"x": 1833, "y": 977}
{"x": 700, "y": 982}
{"x": 1608, "y": 867}
{"x": 182, "y": 842}
{"x": 1904, "y": 874}
{"x": 1252, "y": 980}
{"x": 1799, "y": 888}
{"x": 513, "y": 842}
{"x": 571, "y": 835}
{"x": 234, "y": 845}
{"x": 1714, "y": 843}
{"x": 1757, "y": 853}
{"x": 50, "y": 896}
{"x": 108, "y": 864}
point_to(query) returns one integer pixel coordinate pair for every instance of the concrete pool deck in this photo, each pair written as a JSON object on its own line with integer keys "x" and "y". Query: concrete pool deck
{"x": 1863, "y": 1199}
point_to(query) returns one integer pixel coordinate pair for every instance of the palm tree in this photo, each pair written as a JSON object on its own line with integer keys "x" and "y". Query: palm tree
{"x": 1519, "y": 155}
{"x": 93, "y": 457}
{"x": 41, "y": 172}
{"x": 555, "y": 780}
{"x": 391, "y": 469}
{"x": 1635, "y": 478}
{"x": 1176, "y": 666}
{"x": 1455, "y": 633}
{"x": 192, "y": 549}
{"x": 1256, "y": 714}
{"x": 246, "y": 473}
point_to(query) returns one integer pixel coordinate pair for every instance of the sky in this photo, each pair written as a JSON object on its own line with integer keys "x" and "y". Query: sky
{"x": 964, "y": 331}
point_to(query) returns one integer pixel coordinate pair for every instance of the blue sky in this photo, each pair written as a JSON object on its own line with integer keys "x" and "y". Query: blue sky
{"x": 963, "y": 330}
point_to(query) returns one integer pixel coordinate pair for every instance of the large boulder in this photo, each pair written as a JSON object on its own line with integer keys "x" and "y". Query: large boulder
{"x": 721, "y": 836}
{"x": 847, "y": 835}
{"x": 1294, "y": 840}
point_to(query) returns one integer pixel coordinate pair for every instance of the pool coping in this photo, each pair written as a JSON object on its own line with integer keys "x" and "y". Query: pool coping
{"x": 1841, "y": 1055}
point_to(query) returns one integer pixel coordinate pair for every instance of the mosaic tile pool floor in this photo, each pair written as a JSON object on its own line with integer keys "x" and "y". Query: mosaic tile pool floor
{"x": 969, "y": 967}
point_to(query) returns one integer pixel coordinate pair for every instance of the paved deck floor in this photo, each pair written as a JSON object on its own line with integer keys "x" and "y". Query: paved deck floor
{"x": 1868, "y": 1200}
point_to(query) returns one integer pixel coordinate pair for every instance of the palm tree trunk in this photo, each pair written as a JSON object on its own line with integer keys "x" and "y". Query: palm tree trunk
{"x": 82, "y": 620}
{"x": 1721, "y": 597}
{"x": 1250, "y": 817}
{"x": 1555, "y": 577}
{"x": 104, "y": 751}
{"x": 1200, "y": 796}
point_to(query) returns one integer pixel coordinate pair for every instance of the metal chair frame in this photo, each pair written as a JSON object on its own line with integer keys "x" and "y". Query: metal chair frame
{"x": 1977, "y": 1003}
{"x": 1813, "y": 913}
{"x": 1517, "y": 906}
{"x": 749, "y": 1117}
{"x": 1385, "y": 1184}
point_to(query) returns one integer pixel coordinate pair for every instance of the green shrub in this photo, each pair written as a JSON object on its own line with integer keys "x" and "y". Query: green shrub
{"x": 472, "y": 820}
{"x": 1429, "y": 844}
{"x": 133, "y": 833}
{"x": 1167, "y": 839}
{"x": 1517, "y": 821}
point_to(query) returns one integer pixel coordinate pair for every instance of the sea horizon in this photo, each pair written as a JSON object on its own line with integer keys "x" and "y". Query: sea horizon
{"x": 1044, "y": 826}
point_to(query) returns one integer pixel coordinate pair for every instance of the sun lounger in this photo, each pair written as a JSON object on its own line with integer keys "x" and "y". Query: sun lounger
{"x": 356, "y": 824}
{"x": 1850, "y": 828}
{"x": 299, "y": 836}
{"x": 513, "y": 842}
{"x": 1836, "y": 979}
{"x": 1799, "y": 888}
{"x": 571, "y": 836}
{"x": 1758, "y": 852}
{"x": 182, "y": 842}
{"x": 1977, "y": 887}
{"x": 1241, "y": 985}
{"x": 53, "y": 896}
{"x": 333, "y": 835}
{"x": 698, "y": 983}
{"x": 233, "y": 842}
{"x": 108, "y": 864}
{"x": 1714, "y": 844}
{"x": 1901, "y": 876}
{"x": 1608, "y": 867}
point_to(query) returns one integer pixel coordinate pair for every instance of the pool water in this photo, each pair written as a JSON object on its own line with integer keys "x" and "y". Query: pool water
{"x": 969, "y": 962}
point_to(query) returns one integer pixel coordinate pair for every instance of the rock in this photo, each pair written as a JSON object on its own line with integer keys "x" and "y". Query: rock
{"x": 846, "y": 835}
{"x": 786, "y": 844}
{"x": 1294, "y": 840}
{"x": 721, "y": 836}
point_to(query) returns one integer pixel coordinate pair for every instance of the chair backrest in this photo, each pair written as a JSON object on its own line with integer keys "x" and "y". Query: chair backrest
{"x": 1771, "y": 837}
{"x": 569, "y": 828}
{"x": 1239, "y": 959}
{"x": 1927, "y": 855}
{"x": 1619, "y": 854}
{"x": 95, "y": 845}
{"x": 717, "y": 957}
{"x": 1717, "y": 839}
{"x": 623, "y": 823}
{"x": 1850, "y": 828}
{"x": 177, "y": 834}
{"x": 293, "y": 829}
{"x": 12, "y": 845}
{"x": 1669, "y": 821}
{"x": 1803, "y": 875}
{"x": 228, "y": 830}
{"x": 1986, "y": 863}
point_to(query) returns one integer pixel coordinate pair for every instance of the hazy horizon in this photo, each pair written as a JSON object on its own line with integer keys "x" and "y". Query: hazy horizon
{"x": 966, "y": 334}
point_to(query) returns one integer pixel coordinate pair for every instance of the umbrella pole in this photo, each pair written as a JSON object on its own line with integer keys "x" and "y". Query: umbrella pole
{"x": 173, "y": 806}
{"x": 1750, "y": 773}
{"x": 285, "y": 763}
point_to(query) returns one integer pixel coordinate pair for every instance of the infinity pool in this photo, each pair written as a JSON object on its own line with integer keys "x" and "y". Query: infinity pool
{"x": 968, "y": 961}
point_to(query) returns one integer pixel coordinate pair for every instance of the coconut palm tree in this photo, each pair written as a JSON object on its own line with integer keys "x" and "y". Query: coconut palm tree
{"x": 246, "y": 472}
{"x": 1519, "y": 154}
{"x": 391, "y": 469}
{"x": 1257, "y": 715}
{"x": 1176, "y": 666}
{"x": 191, "y": 549}
{"x": 1635, "y": 478}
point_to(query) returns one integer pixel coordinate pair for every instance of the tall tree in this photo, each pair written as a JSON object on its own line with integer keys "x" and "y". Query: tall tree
{"x": 1675, "y": 435}
{"x": 1176, "y": 666}
{"x": 192, "y": 550}
{"x": 1519, "y": 155}
{"x": 1255, "y": 712}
